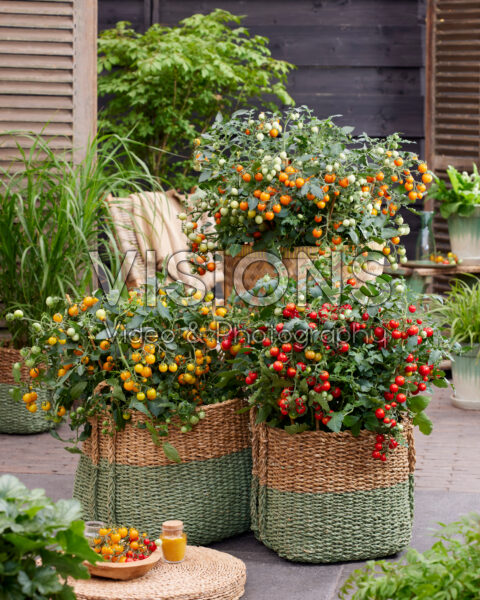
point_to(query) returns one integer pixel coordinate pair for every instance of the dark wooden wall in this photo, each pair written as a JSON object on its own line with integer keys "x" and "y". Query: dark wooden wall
{"x": 363, "y": 59}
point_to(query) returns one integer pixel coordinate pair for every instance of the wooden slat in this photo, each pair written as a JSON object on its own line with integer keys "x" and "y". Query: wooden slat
{"x": 38, "y": 75}
{"x": 44, "y": 88}
{"x": 11, "y": 154}
{"x": 36, "y": 22}
{"x": 42, "y": 48}
{"x": 47, "y": 102}
{"x": 35, "y": 35}
{"x": 35, "y": 115}
{"x": 13, "y": 61}
{"x": 28, "y": 126}
{"x": 36, "y": 8}
{"x": 10, "y": 141}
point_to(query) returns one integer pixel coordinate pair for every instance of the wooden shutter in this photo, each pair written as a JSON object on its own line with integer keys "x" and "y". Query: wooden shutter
{"x": 48, "y": 72}
{"x": 453, "y": 83}
{"x": 452, "y": 113}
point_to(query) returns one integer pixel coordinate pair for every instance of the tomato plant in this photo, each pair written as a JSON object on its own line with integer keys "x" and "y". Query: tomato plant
{"x": 343, "y": 364}
{"x": 282, "y": 180}
{"x": 155, "y": 355}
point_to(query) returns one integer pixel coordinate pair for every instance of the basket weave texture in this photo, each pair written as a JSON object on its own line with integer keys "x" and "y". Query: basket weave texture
{"x": 14, "y": 417}
{"x": 255, "y": 266}
{"x": 205, "y": 574}
{"x": 127, "y": 479}
{"x": 319, "y": 497}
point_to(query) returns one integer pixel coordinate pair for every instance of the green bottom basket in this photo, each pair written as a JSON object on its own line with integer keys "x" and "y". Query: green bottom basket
{"x": 319, "y": 497}
{"x": 127, "y": 480}
{"x": 14, "y": 416}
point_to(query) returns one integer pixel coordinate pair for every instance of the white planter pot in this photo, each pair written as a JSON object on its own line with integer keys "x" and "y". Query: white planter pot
{"x": 466, "y": 379}
{"x": 465, "y": 235}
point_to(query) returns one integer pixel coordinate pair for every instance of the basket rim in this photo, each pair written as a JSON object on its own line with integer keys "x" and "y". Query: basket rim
{"x": 320, "y": 433}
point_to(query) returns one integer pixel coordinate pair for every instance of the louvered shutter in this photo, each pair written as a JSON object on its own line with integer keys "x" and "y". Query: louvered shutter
{"x": 452, "y": 115}
{"x": 48, "y": 72}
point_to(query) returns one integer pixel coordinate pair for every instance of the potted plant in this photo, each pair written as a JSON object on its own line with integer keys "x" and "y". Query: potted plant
{"x": 138, "y": 378}
{"x": 33, "y": 528}
{"x": 459, "y": 313}
{"x": 460, "y": 205}
{"x": 336, "y": 387}
{"x": 277, "y": 182}
{"x": 52, "y": 215}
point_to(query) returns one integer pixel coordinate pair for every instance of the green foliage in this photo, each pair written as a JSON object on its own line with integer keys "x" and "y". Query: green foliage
{"x": 330, "y": 365}
{"x": 157, "y": 354}
{"x": 167, "y": 85}
{"x": 32, "y": 527}
{"x": 459, "y": 311}
{"x": 449, "y": 570}
{"x": 282, "y": 180}
{"x": 461, "y": 197}
{"x": 53, "y": 213}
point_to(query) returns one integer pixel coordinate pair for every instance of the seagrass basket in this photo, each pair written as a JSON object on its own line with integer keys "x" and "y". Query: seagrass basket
{"x": 14, "y": 417}
{"x": 127, "y": 479}
{"x": 319, "y": 497}
{"x": 249, "y": 266}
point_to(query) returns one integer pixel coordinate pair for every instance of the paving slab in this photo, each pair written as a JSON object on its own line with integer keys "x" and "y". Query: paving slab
{"x": 447, "y": 486}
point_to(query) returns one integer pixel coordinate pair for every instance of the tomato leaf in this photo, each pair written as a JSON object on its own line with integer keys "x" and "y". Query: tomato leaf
{"x": 171, "y": 452}
{"x": 418, "y": 403}
{"x": 423, "y": 423}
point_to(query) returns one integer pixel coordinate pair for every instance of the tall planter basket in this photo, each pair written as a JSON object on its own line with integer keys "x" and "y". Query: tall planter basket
{"x": 127, "y": 479}
{"x": 319, "y": 497}
{"x": 14, "y": 417}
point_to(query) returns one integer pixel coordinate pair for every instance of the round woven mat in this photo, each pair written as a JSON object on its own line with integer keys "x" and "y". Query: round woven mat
{"x": 205, "y": 574}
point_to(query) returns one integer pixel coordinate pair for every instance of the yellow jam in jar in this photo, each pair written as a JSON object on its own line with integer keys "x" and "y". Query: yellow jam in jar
{"x": 174, "y": 541}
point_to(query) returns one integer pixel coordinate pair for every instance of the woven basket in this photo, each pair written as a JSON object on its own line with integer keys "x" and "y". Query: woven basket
{"x": 126, "y": 479}
{"x": 319, "y": 497}
{"x": 255, "y": 266}
{"x": 14, "y": 417}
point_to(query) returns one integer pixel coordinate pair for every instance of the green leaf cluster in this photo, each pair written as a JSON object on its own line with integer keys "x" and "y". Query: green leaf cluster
{"x": 154, "y": 354}
{"x": 164, "y": 87}
{"x": 449, "y": 570}
{"x": 53, "y": 214}
{"x": 360, "y": 374}
{"x": 41, "y": 544}
{"x": 459, "y": 311}
{"x": 461, "y": 197}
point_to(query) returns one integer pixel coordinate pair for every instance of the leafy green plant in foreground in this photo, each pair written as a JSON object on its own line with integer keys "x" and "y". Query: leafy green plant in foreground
{"x": 41, "y": 544}
{"x": 449, "y": 570}
{"x": 169, "y": 83}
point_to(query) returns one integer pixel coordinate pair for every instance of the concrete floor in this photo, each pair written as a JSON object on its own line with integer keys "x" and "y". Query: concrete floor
{"x": 447, "y": 486}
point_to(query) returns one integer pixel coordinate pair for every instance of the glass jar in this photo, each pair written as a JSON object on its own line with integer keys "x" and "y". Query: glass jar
{"x": 425, "y": 248}
{"x": 91, "y": 530}
{"x": 174, "y": 541}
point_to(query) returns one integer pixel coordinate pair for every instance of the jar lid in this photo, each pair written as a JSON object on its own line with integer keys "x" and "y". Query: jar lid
{"x": 172, "y": 526}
